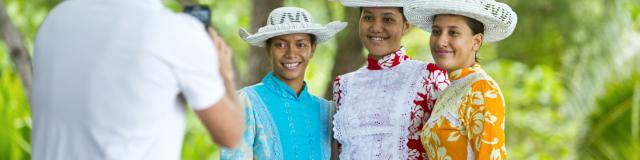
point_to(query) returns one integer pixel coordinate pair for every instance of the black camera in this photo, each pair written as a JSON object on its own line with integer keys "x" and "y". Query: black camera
{"x": 200, "y": 12}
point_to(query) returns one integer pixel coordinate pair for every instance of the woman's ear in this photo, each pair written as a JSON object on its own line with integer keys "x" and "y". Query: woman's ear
{"x": 477, "y": 41}
{"x": 267, "y": 50}
{"x": 406, "y": 26}
{"x": 313, "y": 49}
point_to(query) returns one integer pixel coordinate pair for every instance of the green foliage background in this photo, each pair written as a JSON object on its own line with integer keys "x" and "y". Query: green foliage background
{"x": 570, "y": 74}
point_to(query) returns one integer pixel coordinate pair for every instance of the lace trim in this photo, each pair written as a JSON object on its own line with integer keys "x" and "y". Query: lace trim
{"x": 337, "y": 91}
{"x": 377, "y": 107}
{"x": 326, "y": 150}
{"x": 325, "y": 112}
{"x": 406, "y": 117}
{"x": 451, "y": 100}
{"x": 265, "y": 116}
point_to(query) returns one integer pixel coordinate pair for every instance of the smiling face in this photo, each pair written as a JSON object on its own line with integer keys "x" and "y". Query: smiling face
{"x": 290, "y": 54}
{"x": 453, "y": 43}
{"x": 381, "y": 30}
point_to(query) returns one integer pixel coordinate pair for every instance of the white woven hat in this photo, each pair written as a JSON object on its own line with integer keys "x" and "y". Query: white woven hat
{"x": 371, "y": 3}
{"x": 290, "y": 20}
{"x": 498, "y": 18}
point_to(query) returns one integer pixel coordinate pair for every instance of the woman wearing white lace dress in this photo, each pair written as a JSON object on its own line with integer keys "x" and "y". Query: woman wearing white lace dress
{"x": 382, "y": 107}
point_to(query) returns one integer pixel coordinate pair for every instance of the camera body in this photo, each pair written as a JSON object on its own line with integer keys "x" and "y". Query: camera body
{"x": 200, "y": 12}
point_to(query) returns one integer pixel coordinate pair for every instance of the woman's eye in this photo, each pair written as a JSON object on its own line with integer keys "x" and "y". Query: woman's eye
{"x": 454, "y": 33}
{"x": 367, "y": 18}
{"x": 302, "y": 45}
{"x": 435, "y": 32}
{"x": 388, "y": 20}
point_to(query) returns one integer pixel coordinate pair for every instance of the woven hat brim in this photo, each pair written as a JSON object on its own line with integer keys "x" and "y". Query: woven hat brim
{"x": 421, "y": 12}
{"x": 322, "y": 33}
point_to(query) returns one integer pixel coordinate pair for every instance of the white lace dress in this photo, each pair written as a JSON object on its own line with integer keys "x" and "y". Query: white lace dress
{"x": 382, "y": 107}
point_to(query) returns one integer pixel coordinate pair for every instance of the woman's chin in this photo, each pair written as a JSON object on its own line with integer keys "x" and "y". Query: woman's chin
{"x": 445, "y": 65}
{"x": 378, "y": 50}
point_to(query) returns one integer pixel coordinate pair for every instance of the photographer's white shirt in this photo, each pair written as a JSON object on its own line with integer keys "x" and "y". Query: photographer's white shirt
{"x": 108, "y": 77}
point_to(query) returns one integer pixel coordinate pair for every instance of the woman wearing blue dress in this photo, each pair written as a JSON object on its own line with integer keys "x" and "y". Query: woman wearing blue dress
{"x": 284, "y": 121}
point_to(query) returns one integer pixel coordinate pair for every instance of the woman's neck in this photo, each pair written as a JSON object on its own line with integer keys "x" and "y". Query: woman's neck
{"x": 296, "y": 84}
{"x": 467, "y": 66}
{"x": 382, "y": 55}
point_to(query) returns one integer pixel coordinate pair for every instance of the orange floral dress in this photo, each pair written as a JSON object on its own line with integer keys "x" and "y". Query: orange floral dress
{"x": 468, "y": 119}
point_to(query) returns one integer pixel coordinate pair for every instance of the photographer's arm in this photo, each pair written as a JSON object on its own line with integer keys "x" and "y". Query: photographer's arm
{"x": 224, "y": 120}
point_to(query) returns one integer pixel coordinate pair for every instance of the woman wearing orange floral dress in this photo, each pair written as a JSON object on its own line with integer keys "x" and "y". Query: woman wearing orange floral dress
{"x": 467, "y": 121}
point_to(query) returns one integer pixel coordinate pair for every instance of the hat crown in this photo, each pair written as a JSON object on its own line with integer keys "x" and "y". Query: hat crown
{"x": 498, "y": 10}
{"x": 288, "y": 15}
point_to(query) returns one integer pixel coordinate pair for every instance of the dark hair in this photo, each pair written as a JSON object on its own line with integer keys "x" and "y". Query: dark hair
{"x": 311, "y": 36}
{"x": 399, "y": 8}
{"x": 476, "y": 27}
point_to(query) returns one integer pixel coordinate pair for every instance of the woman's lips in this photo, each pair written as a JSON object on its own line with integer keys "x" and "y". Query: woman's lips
{"x": 291, "y": 66}
{"x": 440, "y": 53}
{"x": 377, "y": 39}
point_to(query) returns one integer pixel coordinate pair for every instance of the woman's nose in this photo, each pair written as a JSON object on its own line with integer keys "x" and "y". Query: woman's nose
{"x": 376, "y": 27}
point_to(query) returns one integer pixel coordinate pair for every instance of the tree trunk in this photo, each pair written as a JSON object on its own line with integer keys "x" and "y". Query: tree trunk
{"x": 258, "y": 63}
{"x": 17, "y": 50}
{"x": 349, "y": 54}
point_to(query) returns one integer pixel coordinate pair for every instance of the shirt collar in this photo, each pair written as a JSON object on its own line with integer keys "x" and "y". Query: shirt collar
{"x": 282, "y": 89}
{"x": 463, "y": 72}
{"x": 388, "y": 61}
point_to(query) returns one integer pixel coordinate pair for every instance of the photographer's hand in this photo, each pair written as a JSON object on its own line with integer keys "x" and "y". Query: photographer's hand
{"x": 224, "y": 120}
{"x": 224, "y": 54}
{"x": 225, "y": 61}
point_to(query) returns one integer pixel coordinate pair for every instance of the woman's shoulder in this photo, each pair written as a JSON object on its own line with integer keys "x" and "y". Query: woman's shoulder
{"x": 486, "y": 91}
{"x": 430, "y": 68}
{"x": 320, "y": 101}
{"x": 484, "y": 82}
{"x": 485, "y": 85}
{"x": 359, "y": 71}
{"x": 249, "y": 95}
{"x": 250, "y": 88}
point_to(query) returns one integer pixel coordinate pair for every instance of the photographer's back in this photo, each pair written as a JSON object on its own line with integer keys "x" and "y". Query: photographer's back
{"x": 107, "y": 77}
